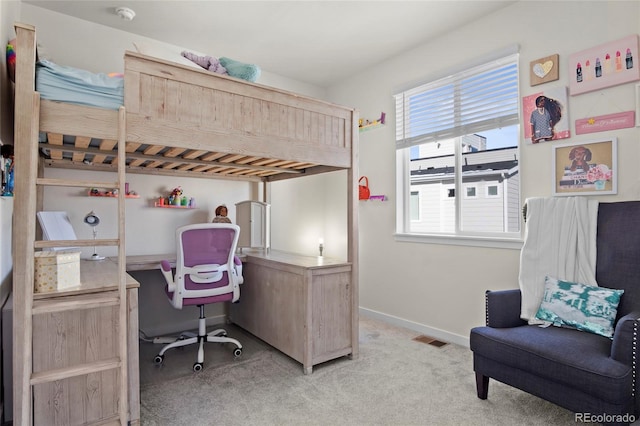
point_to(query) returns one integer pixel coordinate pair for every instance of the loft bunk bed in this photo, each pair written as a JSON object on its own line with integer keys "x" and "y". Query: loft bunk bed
{"x": 177, "y": 121}
{"x": 197, "y": 123}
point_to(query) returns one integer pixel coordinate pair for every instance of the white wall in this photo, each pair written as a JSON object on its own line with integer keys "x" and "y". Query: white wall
{"x": 439, "y": 289}
{"x": 82, "y": 44}
{"x": 303, "y": 210}
{"x": 149, "y": 230}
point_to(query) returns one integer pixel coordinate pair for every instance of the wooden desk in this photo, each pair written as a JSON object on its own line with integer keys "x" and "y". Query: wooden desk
{"x": 73, "y": 337}
{"x": 301, "y": 305}
{"x": 148, "y": 262}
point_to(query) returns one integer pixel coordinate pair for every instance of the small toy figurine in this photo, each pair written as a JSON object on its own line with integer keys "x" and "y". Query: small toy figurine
{"x": 177, "y": 191}
{"x": 8, "y": 178}
{"x": 221, "y": 215}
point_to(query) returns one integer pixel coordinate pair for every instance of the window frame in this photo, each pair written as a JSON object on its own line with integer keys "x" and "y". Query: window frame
{"x": 510, "y": 240}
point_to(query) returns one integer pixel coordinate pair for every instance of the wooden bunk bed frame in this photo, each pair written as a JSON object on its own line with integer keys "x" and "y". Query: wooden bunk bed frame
{"x": 178, "y": 121}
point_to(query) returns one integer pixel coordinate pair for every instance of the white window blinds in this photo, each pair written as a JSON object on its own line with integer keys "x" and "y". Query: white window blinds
{"x": 481, "y": 98}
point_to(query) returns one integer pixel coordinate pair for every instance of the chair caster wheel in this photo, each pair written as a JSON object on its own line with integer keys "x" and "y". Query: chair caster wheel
{"x": 158, "y": 359}
{"x": 237, "y": 352}
{"x": 197, "y": 367}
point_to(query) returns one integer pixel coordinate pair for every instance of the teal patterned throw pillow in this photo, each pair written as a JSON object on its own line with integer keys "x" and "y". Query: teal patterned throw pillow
{"x": 587, "y": 308}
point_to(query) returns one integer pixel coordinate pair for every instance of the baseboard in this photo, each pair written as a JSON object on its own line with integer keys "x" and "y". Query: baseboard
{"x": 175, "y": 328}
{"x": 414, "y": 326}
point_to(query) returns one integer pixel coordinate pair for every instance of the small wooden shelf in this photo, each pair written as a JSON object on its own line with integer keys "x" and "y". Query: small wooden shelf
{"x": 368, "y": 125}
{"x": 169, "y": 206}
{"x": 104, "y": 194}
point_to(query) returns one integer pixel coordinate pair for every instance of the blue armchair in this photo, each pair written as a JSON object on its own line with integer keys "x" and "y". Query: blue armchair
{"x": 580, "y": 371}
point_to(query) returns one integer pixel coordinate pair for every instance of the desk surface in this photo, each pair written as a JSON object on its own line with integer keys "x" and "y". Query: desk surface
{"x": 147, "y": 262}
{"x": 95, "y": 276}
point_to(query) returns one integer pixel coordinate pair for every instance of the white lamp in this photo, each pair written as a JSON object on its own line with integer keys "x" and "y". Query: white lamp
{"x": 93, "y": 221}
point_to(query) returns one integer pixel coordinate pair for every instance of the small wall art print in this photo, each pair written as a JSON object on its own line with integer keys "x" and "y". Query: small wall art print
{"x": 544, "y": 70}
{"x": 603, "y": 66}
{"x": 603, "y": 123}
{"x": 546, "y": 115}
{"x": 585, "y": 168}
{"x": 637, "y": 105}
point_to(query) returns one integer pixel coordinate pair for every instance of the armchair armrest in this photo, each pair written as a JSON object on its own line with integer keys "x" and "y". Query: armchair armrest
{"x": 503, "y": 308}
{"x": 623, "y": 345}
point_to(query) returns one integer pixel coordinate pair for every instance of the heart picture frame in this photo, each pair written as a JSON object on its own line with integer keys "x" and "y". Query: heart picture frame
{"x": 544, "y": 70}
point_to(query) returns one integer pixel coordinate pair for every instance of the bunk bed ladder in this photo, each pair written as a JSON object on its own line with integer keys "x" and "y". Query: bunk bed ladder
{"x": 73, "y": 373}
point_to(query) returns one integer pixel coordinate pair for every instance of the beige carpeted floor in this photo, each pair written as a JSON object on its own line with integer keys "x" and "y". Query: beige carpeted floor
{"x": 395, "y": 381}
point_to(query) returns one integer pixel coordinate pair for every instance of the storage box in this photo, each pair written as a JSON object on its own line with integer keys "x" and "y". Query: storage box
{"x": 56, "y": 270}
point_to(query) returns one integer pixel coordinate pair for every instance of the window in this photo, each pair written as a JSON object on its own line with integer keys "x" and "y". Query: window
{"x": 471, "y": 191}
{"x": 460, "y": 135}
{"x": 415, "y": 205}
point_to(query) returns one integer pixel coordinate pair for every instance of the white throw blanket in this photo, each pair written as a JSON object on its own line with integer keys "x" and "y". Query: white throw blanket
{"x": 560, "y": 241}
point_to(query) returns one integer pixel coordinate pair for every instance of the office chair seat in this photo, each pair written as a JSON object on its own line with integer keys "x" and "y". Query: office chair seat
{"x": 207, "y": 271}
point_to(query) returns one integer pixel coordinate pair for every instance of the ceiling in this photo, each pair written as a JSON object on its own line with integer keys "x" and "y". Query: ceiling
{"x": 317, "y": 42}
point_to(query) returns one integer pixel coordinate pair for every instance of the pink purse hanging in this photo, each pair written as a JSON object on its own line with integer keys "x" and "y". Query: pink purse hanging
{"x": 364, "y": 192}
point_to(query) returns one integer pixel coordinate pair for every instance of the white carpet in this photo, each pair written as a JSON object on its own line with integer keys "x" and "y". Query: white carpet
{"x": 394, "y": 381}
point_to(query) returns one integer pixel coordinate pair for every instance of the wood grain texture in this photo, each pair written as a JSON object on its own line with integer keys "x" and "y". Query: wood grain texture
{"x": 301, "y": 305}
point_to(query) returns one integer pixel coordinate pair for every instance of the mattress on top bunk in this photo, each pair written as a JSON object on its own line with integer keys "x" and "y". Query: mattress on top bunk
{"x": 67, "y": 84}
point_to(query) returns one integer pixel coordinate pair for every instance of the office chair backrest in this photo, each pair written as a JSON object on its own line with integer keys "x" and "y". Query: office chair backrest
{"x": 205, "y": 264}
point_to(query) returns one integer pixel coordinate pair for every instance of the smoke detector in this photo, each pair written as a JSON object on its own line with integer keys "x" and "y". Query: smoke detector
{"x": 125, "y": 13}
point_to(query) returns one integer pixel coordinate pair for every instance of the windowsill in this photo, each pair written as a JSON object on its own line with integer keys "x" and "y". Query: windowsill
{"x": 462, "y": 240}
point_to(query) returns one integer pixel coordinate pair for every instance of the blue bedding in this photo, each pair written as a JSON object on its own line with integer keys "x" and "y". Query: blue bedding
{"x": 66, "y": 84}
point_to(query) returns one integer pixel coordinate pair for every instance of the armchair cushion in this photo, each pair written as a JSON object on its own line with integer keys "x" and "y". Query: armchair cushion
{"x": 587, "y": 308}
{"x": 565, "y": 356}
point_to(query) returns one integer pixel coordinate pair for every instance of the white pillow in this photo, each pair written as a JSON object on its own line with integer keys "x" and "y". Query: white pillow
{"x": 164, "y": 53}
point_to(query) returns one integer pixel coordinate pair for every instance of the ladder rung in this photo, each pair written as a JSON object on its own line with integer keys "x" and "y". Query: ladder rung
{"x": 77, "y": 370}
{"x": 73, "y": 303}
{"x": 76, "y": 243}
{"x": 78, "y": 184}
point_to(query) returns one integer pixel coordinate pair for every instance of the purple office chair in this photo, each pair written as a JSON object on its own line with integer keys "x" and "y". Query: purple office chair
{"x": 207, "y": 271}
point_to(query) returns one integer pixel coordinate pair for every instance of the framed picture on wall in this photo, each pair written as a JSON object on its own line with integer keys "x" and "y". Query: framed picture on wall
{"x": 585, "y": 168}
{"x": 545, "y": 115}
{"x": 637, "y": 105}
{"x": 603, "y": 66}
{"x": 543, "y": 70}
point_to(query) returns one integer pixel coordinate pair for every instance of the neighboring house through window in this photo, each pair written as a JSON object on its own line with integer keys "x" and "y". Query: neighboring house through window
{"x": 459, "y": 135}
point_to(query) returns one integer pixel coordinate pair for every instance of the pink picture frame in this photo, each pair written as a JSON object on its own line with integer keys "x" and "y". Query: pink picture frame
{"x": 606, "y": 65}
{"x": 557, "y": 98}
{"x": 603, "y": 123}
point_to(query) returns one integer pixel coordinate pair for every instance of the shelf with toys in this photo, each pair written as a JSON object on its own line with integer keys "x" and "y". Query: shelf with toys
{"x": 169, "y": 206}
{"x": 364, "y": 124}
{"x": 112, "y": 193}
{"x": 175, "y": 200}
